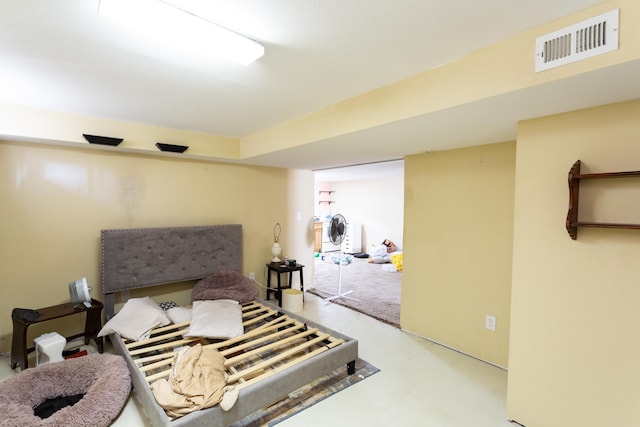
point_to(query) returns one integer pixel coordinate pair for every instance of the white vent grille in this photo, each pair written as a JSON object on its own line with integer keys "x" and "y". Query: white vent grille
{"x": 583, "y": 40}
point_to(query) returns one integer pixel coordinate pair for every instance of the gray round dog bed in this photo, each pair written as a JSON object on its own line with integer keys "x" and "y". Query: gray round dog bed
{"x": 100, "y": 383}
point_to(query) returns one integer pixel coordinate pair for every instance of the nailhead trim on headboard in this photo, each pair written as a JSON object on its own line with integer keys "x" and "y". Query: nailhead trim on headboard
{"x": 142, "y": 257}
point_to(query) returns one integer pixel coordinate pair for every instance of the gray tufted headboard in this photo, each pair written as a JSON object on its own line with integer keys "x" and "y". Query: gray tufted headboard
{"x": 142, "y": 257}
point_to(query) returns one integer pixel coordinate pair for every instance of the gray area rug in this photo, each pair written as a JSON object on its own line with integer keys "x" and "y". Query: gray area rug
{"x": 377, "y": 290}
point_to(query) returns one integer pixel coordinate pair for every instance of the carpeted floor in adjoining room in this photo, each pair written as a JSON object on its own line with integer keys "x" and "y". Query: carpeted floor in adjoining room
{"x": 377, "y": 290}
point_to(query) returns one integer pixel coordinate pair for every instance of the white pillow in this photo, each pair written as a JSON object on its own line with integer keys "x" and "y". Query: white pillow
{"x": 136, "y": 319}
{"x": 179, "y": 314}
{"x": 219, "y": 318}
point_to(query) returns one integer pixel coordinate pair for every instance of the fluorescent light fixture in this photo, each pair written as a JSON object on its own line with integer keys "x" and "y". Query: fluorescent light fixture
{"x": 172, "y": 26}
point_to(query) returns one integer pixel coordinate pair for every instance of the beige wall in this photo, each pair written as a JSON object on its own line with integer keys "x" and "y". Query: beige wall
{"x": 575, "y": 339}
{"x": 376, "y": 204}
{"x": 60, "y": 128}
{"x": 457, "y": 248}
{"x": 565, "y": 309}
{"x": 299, "y": 233}
{"x": 55, "y": 201}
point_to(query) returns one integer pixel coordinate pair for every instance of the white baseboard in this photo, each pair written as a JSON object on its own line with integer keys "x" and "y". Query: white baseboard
{"x": 456, "y": 350}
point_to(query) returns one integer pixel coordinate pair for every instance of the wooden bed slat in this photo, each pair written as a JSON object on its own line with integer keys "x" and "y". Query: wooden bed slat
{"x": 226, "y": 343}
{"x": 159, "y": 347}
{"x": 159, "y": 375}
{"x": 258, "y": 370}
{"x": 272, "y": 343}
{"x": 277, "y": 358}
{"x": 156, "y": 365}
{"x": 259, "y": 318}
{"x": 155, "y": 357}
{"x": 249, "y": 381}
{"x": 249, "y": 344}
{"x": 178, "y": 333}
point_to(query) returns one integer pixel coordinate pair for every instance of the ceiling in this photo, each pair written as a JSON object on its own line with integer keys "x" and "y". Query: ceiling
{"x": 377, "y": 170}
{"x": 61, "y": 55}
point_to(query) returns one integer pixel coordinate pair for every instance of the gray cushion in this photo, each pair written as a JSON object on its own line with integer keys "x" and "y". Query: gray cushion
{"x": 225, "y": 284}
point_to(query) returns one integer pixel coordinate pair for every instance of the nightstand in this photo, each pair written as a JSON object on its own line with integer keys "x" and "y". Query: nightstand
{"x": 279, "y": 269}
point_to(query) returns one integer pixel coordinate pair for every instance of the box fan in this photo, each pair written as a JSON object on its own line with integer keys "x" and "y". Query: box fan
{"x": 79, "y": 293}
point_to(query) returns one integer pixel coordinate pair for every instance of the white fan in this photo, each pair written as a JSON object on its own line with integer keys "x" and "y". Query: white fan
{"x": 79, "y": 293}
{"x": 337, "y": 231}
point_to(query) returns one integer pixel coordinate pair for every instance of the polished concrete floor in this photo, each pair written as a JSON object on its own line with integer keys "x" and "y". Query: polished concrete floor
{"x": 419, "y": 384}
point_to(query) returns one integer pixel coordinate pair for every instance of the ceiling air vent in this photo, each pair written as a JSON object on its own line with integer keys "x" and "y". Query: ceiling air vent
{"x": 583, "y": 40}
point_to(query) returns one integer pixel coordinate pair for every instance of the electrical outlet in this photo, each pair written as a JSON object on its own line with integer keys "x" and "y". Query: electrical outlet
{"x": 252, "y": 276}
{"x": 490, "y": 322}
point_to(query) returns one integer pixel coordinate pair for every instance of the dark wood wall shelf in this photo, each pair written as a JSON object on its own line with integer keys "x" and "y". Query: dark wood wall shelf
{"x": 574, "y": 195}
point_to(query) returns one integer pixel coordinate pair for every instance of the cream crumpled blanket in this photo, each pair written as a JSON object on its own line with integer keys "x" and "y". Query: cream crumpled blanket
{"x": 197, "y": 381}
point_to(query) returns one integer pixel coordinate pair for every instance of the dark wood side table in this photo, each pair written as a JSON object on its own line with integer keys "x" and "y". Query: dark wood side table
{"x": 279, "y": 269}
{"x": 92, "y": 326}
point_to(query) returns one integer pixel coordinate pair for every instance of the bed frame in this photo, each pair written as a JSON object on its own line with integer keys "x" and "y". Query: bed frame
{"x": 278, "y": 353}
